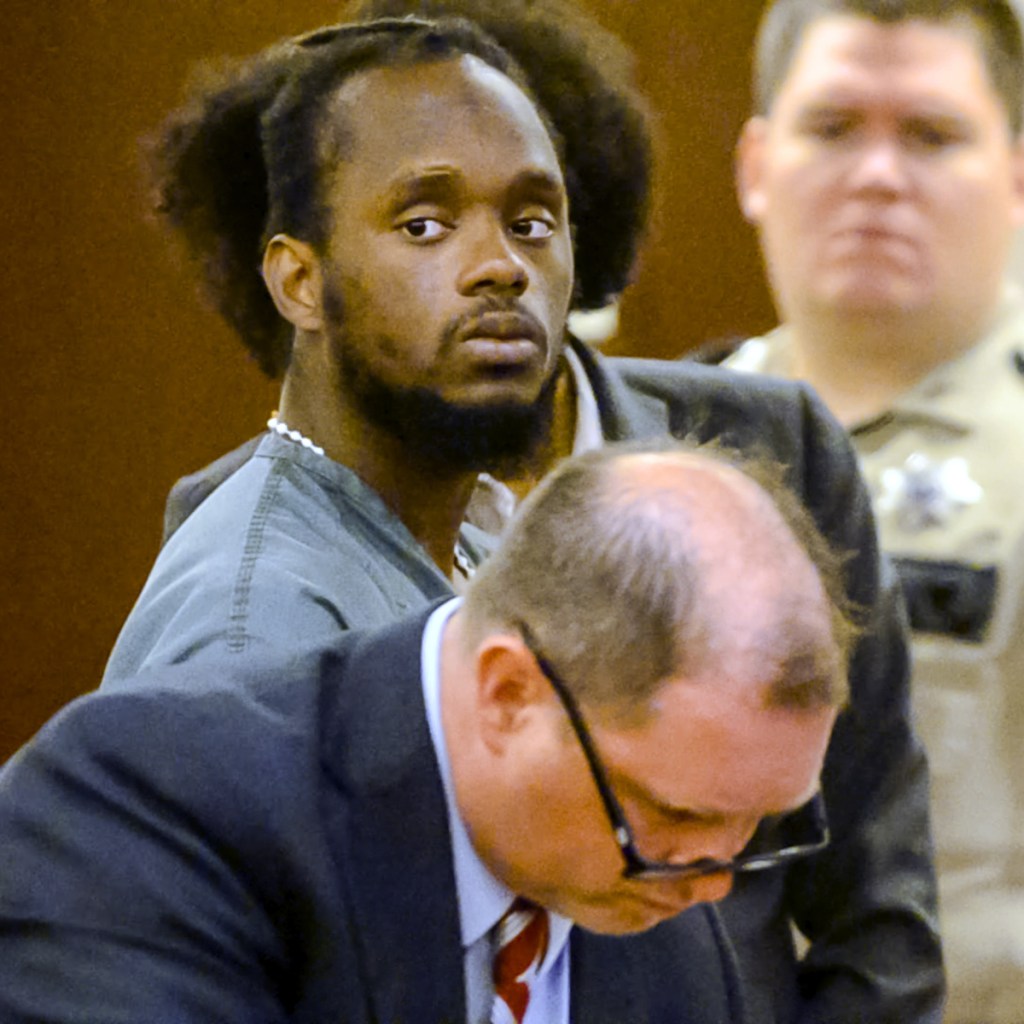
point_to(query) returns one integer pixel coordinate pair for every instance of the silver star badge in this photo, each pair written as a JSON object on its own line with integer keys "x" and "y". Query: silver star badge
{"x": 923, "y": 493}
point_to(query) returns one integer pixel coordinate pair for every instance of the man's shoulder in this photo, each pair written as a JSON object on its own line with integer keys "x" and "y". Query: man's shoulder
{"x": 989, "y": 379}
{"x": 270, "y": 472}
{"x": 183, "y": 811}
{"x": 198, "y": 736}
{"x": 693, "y": 399}
{"x": 225, "y": 718}
{"x": 190, "y": 491}
{"x": 276, "y": 555}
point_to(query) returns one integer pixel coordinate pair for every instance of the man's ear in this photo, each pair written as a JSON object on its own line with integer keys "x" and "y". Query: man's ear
{"x": 291, "y": 270}
{"x": 510, "y": 688}
{"x": 1018, "y": 182}
{"x": 749, "y": 168}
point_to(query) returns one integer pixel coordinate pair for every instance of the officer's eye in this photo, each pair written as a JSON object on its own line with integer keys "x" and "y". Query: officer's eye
{"x": 934, "y": 135}
{"x": 829, "y": 127}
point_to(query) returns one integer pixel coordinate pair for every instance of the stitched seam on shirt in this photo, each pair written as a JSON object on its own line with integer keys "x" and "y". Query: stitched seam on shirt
{"x": 237, "y": 635}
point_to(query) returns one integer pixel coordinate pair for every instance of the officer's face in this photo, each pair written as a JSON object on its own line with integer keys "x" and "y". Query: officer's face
{"x": 884, "y": 179}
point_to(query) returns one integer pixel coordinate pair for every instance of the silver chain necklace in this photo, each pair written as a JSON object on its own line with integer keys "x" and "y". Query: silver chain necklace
{"x": 284, "y": 430}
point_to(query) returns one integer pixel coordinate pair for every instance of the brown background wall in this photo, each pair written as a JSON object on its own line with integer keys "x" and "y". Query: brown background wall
{"x": 119, "y": 381}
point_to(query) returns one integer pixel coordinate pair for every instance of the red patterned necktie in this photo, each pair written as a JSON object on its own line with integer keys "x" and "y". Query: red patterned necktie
{"x": 522, "y": 941}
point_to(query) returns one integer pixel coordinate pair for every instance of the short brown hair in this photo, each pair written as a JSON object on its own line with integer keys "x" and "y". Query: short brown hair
{"x": 785, "y": 22}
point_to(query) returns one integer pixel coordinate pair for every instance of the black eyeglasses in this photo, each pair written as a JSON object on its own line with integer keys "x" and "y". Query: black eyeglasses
{"x": 777, "y": 841}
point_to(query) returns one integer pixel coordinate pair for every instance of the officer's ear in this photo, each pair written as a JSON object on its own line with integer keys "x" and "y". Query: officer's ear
{"x": 749, "y": 168}
{"x": 1018, "y": 182}
{"x": 291, "y": 272}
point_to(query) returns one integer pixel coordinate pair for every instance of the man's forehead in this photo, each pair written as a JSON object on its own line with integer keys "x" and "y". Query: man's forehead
{"x": 913, "y": 68}
{"x": 832, "y": 42}
{"x": 433, "y": 112}
{"x": 426, "y": 182}
{"x": 704, "y": 747}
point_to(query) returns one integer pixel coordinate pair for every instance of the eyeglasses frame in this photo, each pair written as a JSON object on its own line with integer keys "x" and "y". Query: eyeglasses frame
{"x": 637, "y": 866}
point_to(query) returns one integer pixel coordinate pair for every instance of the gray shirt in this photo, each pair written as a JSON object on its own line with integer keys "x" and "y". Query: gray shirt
{"x": 292, "y": 548}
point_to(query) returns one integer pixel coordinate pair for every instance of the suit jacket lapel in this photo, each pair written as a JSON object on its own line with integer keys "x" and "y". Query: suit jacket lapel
{"x": 625, "y": 413}
{"x": 390, "y": 827}
{"x": 683, "y": 970}
{"x": 604, "y": 984}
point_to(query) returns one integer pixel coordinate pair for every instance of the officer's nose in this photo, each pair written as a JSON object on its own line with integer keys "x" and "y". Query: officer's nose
{"x": 880, "y": 167}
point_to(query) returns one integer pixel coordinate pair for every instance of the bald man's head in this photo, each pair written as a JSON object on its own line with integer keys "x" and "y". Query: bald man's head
{"x": 634, "y": 563}
{"x": 648, "y": 668}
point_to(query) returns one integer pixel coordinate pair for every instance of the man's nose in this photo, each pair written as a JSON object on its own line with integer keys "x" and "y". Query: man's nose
{"x": 880, "y": 166}
{"x": 685, "y": 892}
{"x": 491, "y": 262}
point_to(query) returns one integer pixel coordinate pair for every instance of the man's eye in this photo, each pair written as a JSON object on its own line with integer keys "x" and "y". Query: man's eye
{"x": 533, "y": 228}
{"x": 424, "y": 229}
{"x": 829, "y": 129}
{"x": 930, "y": 136}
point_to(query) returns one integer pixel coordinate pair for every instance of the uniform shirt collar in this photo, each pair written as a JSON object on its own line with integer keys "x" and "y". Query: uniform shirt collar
{"x": 946, "y": 397}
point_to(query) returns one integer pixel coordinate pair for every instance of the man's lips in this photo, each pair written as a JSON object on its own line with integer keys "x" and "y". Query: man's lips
{"x": 503, "y": 337}
{"x": 875, "y": 232}
{"x": 503, "y": 327}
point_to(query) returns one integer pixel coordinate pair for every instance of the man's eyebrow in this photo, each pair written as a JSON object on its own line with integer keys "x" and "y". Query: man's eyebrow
{"x": 824, "y": 106}
{"x": 639, "y": 792}
{"x": 435, "y": 183}
{"x": 845, "y": 103}
{"x": 934, "y": 117}
{"x": 540, "y": 179}
{"x": 709, "y": 816}
{"x": 542, "y": 184}
{"x": 444, "y": 184}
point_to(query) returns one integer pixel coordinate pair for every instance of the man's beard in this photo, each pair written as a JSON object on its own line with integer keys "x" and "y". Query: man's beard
{"x": 500, "y": 439}
{"x": 503, "y": 439}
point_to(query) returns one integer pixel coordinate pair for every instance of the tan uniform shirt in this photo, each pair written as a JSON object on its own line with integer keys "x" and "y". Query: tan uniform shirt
{"x": 945, "y": 466}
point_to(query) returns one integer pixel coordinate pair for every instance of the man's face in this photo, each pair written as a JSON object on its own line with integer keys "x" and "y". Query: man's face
{"x": 884, "y": 179}
{"x": 450, "y": 271}
{"x": 694, "y": 776}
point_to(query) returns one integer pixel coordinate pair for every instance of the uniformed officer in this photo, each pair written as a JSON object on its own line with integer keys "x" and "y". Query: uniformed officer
{"x": 884, "y": 173}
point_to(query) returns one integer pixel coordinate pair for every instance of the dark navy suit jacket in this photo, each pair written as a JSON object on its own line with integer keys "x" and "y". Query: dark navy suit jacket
{"x": 247, "y": 849}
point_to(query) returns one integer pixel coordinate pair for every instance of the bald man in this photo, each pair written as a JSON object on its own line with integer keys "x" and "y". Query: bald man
{"x": 585, "y": 747}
